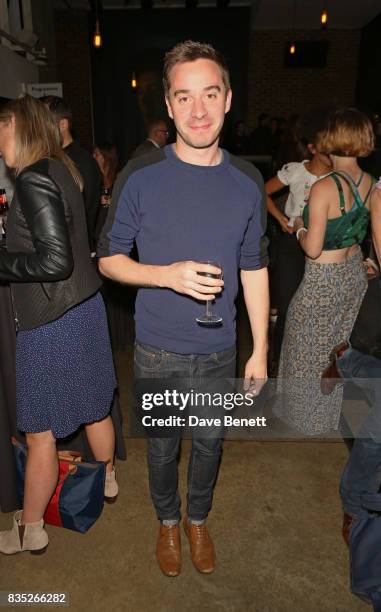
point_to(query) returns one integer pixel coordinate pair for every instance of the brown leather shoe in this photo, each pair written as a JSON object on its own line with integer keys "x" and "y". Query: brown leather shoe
{"x": 347, "y": 526}
{"x": 168, "y": 550}
{"x": 331, "y": 375}
{"x": 201, "y": 546}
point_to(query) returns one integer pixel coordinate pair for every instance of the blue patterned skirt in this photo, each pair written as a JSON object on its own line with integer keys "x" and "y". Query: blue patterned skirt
{"x": 65, "y": 372}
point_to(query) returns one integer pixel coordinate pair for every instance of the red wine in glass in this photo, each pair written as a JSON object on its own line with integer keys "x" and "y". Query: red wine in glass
{"x": 209, "y": 318}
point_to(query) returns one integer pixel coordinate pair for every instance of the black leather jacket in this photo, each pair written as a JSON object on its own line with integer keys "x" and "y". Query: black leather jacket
{"x": 48, "y": 259}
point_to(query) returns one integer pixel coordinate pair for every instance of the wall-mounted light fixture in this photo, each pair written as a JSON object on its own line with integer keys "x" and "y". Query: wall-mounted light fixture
{"x": 134, "y": 82}
{"x": 292, "y": 49}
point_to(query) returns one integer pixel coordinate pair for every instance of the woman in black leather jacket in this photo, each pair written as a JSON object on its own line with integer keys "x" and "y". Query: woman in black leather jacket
{"x": 64, "y": 370}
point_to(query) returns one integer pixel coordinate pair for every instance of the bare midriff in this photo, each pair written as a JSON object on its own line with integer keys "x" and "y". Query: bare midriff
{"x": 336, "y": 256}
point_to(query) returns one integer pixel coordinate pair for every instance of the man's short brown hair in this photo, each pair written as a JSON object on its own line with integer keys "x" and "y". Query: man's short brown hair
{"x": 349, "y": 133}
{"x": 59, "y": 108}
{"x": 190, "y": 51}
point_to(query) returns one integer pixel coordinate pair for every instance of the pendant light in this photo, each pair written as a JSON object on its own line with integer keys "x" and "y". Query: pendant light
{"x": 97, "y": 37}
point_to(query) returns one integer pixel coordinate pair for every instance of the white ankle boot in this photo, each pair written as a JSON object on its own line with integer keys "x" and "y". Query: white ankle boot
{"x": 31, "y": 536}
{"x": 111, "y": 487}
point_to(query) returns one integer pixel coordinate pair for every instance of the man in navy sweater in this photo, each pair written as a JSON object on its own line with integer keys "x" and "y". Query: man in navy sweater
{"x": 188, "y": 203}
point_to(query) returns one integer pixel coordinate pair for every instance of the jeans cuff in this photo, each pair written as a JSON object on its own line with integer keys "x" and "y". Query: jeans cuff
{"x": 170, "y": 522}
{"x": 195, "y": 521}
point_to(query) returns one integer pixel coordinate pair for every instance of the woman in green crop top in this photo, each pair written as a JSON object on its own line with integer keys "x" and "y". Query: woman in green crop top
{"x": 325, "y": 306}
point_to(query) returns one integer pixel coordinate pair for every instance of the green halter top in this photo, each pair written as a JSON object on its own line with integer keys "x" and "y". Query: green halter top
{"x": 351, "y": 227}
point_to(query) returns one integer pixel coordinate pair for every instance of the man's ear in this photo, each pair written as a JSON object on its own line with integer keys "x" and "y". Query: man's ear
{"x": 63, "y": 125}
{"x": 169, "y": 107}
{"x": 228, "y": 100}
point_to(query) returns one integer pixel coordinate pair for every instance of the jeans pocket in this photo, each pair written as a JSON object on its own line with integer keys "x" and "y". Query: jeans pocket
{"x": 225, "y": 357}
{"x": 148, "y": 359}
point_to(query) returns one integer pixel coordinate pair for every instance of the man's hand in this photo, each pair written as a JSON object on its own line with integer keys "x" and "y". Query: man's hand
{"x": 189, "y": 277}
{"x": 255, "y": 372}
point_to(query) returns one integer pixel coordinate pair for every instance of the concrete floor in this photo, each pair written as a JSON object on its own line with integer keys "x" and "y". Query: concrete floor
{"x": 276, "y": 524}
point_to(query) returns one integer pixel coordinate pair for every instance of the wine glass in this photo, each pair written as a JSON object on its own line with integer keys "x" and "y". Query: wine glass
{"x": 209, "y": 318}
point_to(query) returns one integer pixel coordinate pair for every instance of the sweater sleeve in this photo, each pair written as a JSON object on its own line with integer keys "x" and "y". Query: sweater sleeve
{"x": 254, "y": 254}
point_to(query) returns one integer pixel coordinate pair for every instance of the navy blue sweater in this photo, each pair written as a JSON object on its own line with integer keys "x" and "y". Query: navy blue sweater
{"x": 177, "y": 211}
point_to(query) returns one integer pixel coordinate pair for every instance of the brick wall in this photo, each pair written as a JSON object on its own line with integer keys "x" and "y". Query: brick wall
{"x": 73, "y": 69}
{"x": 281, "y": 91}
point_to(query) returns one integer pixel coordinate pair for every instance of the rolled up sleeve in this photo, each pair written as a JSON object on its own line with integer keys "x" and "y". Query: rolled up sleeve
{"x": 254, "y": 248}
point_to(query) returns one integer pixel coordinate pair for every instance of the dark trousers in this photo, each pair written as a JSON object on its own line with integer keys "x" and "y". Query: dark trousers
{"x": 361, "y": 473}
{"x": 200, "y": 373}
{"x": 287, "y": 278}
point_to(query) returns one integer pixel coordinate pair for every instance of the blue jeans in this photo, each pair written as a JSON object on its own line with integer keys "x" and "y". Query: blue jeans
{"x": 202, "y": 373}
{"x": 361, "y": 472}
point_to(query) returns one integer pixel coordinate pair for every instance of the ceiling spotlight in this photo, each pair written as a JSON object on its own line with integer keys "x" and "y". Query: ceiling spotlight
{"x": 292, "y": 49}
{"x": 134, "y": 82}
{"x": 324, "y": 18}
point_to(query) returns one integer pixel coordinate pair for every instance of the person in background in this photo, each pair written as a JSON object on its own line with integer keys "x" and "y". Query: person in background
{"x": 260, "y": 138}
{"x": 238, "y": 140}
{"x": 106, "y": 156}
{"x": 372, "y": 163}
{"x": 157, "y": 137}
{"x": 299, "y": 178}
{"x": 325, "y": 306}
{"x": 64, "y": 368}
{"x": 361, "y": 473}
{"x": 291, "y": 147}
{"x": 6, "y": 181}
{"x": 83, "y": 160}
{"x": 275, "y": 136}
{"x": 8, "y": 480}
{"x": 118, "y": 298}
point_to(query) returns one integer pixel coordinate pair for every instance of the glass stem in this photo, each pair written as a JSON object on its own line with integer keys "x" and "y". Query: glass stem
{"x": 209, "y": 308}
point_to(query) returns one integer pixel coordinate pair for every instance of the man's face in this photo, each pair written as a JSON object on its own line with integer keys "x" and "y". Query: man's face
{"x": 63, "y": 126}
{"x": 197, "y": 102}
{"x": 161, "y": 134}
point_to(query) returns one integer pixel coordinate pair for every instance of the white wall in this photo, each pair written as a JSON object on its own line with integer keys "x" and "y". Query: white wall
{"x": 14, "y": 71}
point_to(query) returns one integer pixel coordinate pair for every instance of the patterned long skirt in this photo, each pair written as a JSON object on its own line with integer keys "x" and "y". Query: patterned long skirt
{"x": 320, "y": 316}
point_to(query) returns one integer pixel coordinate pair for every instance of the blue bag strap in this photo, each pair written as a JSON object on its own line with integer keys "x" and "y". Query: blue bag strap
{"x": 371, "y": 501}
{"x": 376, "y": 601}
